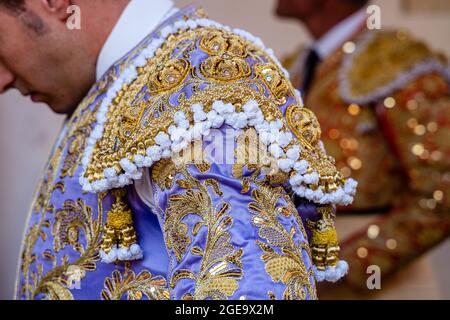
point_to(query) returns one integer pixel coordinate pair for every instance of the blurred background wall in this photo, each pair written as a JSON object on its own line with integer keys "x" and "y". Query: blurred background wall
{"x": 28, "y": 131}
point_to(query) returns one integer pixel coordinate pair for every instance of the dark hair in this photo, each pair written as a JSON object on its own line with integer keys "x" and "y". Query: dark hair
{"x": 14, "y": 6}
{"x": 356, "y": 3}
{"x": 29, "y": 18}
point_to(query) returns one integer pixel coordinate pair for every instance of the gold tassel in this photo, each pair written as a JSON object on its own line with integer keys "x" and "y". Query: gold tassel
{"x": 119, "y": 240}
{"x": 324, "y": 242}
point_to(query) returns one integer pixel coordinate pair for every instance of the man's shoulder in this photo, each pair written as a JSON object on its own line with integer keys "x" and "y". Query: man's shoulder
{"x": 198, "y": 76}
{"x": 190, "y": 62}
{"x": 386, "y": 61}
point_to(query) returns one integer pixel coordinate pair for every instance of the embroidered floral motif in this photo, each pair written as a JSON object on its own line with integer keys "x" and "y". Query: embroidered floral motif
{"x": 75, "y": 217}
{"x": 135, "y": 287}
{"x": 287, "y": 265}
{"x": 221, "y": 267}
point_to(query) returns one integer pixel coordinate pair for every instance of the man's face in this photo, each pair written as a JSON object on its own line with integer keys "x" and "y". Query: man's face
{"x": 39, "y": 57}
{"x": 299, "y": 9}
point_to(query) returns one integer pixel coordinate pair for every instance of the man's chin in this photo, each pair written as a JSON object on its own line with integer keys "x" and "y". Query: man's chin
{"x": 61, "y": 108}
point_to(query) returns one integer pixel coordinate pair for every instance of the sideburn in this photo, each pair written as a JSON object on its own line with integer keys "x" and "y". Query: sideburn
{"x": 32, "y": 21}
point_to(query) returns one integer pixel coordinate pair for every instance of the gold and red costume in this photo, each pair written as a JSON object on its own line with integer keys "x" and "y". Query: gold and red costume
{"x": 383, "y": 103}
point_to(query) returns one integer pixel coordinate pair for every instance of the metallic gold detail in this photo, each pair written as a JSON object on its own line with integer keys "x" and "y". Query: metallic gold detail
{"x": 304, "y": 123}
{"x": 227, "y": 53}
{"x": 138, "y": 113}
{"x": 135, "y": 287}
{"x": 287, "y": 266}
{"x": 167, "y": 76}
{"x": 221, "y": 267}
{"x": 277, "y": 83}
{"x": 74, "y": 218}
{"x": 163, "y": 173}
{"x": 389, "y": 53}
{"x": 324, "y": 242}
{"x": 119, "y": 228}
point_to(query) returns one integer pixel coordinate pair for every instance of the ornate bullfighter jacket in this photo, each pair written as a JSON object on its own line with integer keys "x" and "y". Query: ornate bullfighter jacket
{"x": 216, "y": 229}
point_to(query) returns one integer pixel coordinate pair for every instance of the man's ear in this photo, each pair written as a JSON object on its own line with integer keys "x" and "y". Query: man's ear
{"x": 57, "y": 8}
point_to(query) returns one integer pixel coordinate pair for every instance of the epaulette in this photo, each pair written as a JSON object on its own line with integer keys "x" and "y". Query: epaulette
{"x": 166, "y": 100}
{"x": 384, "y": 62}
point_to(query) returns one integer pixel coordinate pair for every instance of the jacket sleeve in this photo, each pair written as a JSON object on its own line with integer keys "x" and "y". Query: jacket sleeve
{"x": 231, "y": 236}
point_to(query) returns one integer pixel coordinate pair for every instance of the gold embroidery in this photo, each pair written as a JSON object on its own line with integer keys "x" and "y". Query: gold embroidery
{"x": 221, "y": 267}
{"x": 167, "y": 76}
{"x": 324, "y": 242}
{"x": 134, "y": 119}
{"x": 249, "y": 154}
{"x": 135, "y": 287}
{"x": 40, "y": 205}
{"x": 119, "y": 228}
{"x": 163, "y": 173}
{"x": 227, "y": 57}
{"x": 393, "y": 52}
{"x": 252, "y": 154}
{"x": 287, "y": 266}
{"x": 52, "y": 284}
{"x": 274, "y": 80}
{"x": 78, "y": 137}
{"x": 69, "y": 221}
{"x": 304, "y": 124}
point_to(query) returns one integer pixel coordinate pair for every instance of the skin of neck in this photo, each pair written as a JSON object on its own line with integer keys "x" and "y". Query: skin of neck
{"x": 100, "y": 22}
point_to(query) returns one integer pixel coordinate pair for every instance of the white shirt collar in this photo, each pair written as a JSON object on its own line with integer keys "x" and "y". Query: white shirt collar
{"x": 334, "y": 38}
{"x": 138, "y": 20}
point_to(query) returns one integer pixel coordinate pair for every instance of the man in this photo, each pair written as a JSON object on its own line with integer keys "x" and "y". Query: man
{"x": 132, "y": 204}
{"x": 383, "y": 101}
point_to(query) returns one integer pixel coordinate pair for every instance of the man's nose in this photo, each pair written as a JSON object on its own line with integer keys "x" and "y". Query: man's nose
{"x": 6, "y": 79}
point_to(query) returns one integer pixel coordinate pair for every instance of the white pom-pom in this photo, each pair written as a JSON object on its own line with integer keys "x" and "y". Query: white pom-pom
{"x": 177, "y": 134}
{"x": 241, "y": 121}
{"x": 163, "y": 140}
{"x": 180, "y": 120}
{"x": 215, "y": 119}
{"x": 109, "y": 257}
{"x": 154, "y": 153}
{"x": 167, "y": 154}
{"x": 285, "y": 164}
{"x": 127, "y": 165}
{"x": 251, "y": 108}
{"x": 332, "y": 274}
{"x": 124, "y": 254}
{"x": 179, "y": 146}
{"x": 296, "y": 179}
{"x": 134, "y": 252}
{"x": 123, "y": 180}
{"x": 301, "y": 166}
{"x": 312, "y": 178}
{"x": 264, "y": 137}
{"x": 284, "y": 138}
{"x": 276, "y": 151}
{"x": 139, "y": 160}
{"x": 276, "y": 125}
{"x": 199, "y": 114}
{"x": 110, "y": 173}
{"x": 293, "y": 153}
{"x": 148, "y": 162}
{"x": 350, "y": 186}
{"x": 257, "y": 120}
